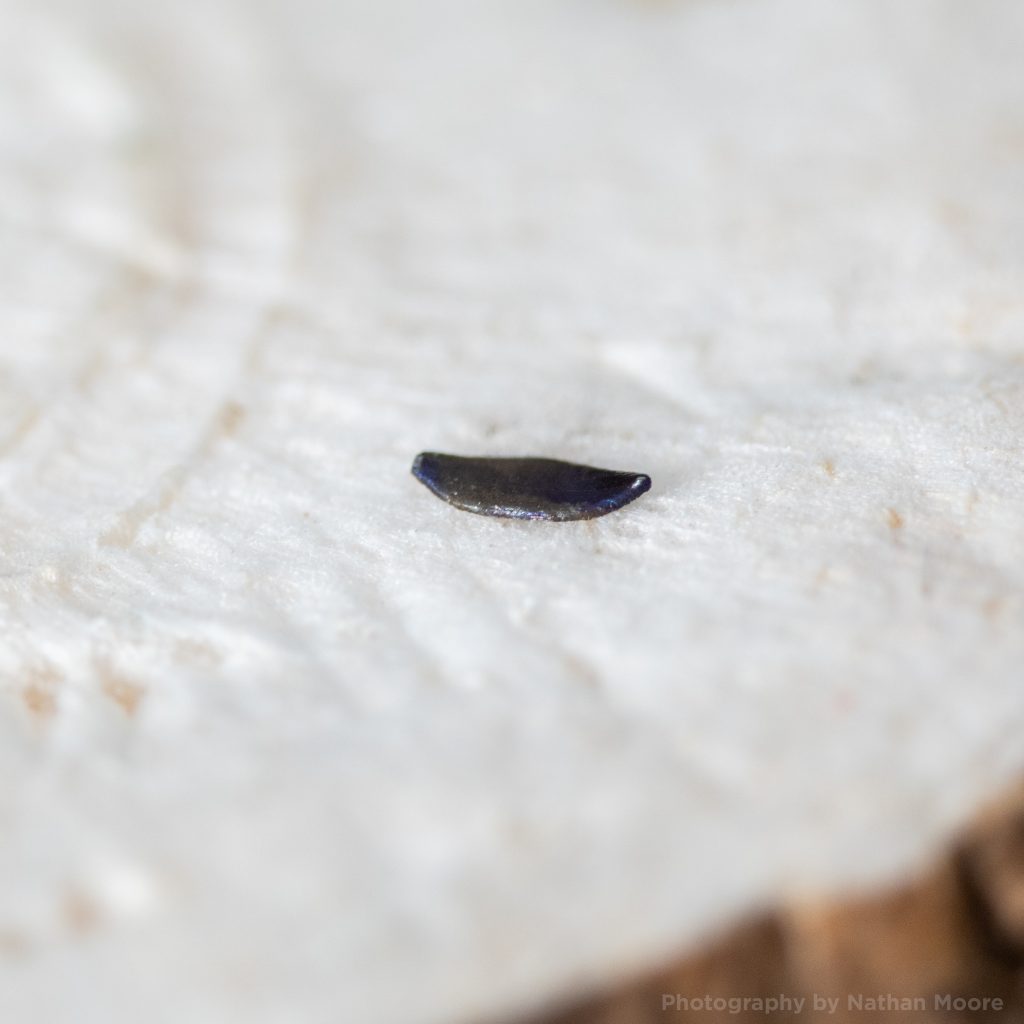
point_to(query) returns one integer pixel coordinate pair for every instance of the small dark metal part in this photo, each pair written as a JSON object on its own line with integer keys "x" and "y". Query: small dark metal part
{"x": 527, "y": 488}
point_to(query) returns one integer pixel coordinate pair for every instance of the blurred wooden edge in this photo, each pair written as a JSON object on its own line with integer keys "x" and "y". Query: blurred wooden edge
{"x": 920, "y": 952}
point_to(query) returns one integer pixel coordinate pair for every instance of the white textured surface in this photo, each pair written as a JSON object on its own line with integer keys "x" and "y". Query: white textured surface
{"x": 282, "y": 737}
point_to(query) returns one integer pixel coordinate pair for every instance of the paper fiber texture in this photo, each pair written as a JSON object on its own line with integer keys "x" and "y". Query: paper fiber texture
{"x": 283, "y": 737}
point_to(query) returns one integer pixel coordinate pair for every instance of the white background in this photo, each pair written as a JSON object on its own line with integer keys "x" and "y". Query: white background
{"x": 284, "y": 738}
